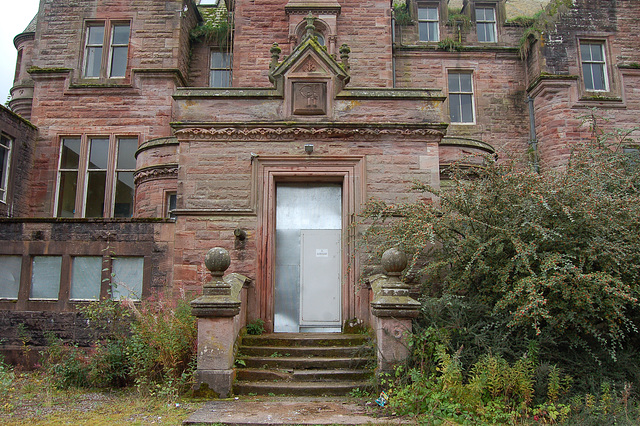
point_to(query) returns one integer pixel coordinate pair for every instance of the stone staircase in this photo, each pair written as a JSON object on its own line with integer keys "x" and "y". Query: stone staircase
{"x": 304, "y": 364}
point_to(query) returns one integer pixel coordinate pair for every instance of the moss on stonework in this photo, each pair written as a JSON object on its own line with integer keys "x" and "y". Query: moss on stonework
{"x": 48, "y": 70}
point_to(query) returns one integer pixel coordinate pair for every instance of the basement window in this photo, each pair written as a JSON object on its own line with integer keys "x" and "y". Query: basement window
{"x": 127, "y": 273}
{"x": 86, "y": 278}
{"x": 45, "y": 277}
{"x": 10, "y": 271}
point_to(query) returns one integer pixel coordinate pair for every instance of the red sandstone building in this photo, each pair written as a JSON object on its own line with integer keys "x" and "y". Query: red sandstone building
{"x": 150, "y": 131}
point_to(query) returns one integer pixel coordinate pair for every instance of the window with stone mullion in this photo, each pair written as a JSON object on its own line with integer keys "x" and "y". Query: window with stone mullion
{"x": 106, "y": 50}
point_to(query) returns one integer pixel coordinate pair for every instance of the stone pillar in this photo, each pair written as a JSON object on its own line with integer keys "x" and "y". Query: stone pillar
{"x": 215, "y": 310}
{"x": 393, "y": 310}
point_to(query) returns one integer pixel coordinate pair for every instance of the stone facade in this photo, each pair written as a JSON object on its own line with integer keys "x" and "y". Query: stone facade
{"x": 349, "y": 96}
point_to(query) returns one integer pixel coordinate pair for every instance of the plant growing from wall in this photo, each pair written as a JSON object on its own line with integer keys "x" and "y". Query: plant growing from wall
{"x": 537, "y": 25}
{"x": 216, "y": 31}
{"x": 449, "y": 45}
{"x": 401, "y": 13}
{"x": 456, "y": 18}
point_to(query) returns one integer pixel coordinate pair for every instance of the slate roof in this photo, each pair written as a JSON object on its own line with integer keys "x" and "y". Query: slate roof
{"x": 31, "y": 28}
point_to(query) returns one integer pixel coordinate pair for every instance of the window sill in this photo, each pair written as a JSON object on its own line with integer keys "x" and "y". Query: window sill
{"x": 588, "y": 100}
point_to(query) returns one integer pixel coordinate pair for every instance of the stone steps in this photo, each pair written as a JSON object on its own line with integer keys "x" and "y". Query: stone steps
{"x": 304, "y": 364}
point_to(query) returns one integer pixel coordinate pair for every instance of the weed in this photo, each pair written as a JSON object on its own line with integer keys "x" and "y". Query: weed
{"x": 255, "y": 328}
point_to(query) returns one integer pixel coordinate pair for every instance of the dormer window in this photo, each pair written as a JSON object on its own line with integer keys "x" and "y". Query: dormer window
{"x": 428, "y": 23}
{"x": 106, "y": 51}
{"x": 486, "y": 24}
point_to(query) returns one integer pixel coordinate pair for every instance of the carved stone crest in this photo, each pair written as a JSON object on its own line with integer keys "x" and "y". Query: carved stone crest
{"x": 309, "y": 98}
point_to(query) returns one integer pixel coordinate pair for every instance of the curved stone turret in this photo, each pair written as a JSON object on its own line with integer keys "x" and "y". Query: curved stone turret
{"x": 22, "y": 91}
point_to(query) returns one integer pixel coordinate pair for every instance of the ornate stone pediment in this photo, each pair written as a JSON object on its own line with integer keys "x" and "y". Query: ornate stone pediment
{"x": 310, "y": 78}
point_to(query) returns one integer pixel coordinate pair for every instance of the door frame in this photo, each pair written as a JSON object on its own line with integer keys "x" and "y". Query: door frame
{"x": 347, "y": 170}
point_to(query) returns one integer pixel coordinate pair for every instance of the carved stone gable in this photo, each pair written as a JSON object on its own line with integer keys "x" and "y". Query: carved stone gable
{"x": 309, "y": 66}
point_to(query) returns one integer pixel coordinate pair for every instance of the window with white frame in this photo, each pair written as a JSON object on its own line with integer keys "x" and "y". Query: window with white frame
{"x": 220, "y": 69}
{"x": 106, "y": 51}
{"x": 486, "y": 24}
{"x": 594, "y": 66}
{"x": 95, "y": 177}
{"x": 428, "y": 23}
{"x": 6, "y": 146}
{"x": 461, "y": 97}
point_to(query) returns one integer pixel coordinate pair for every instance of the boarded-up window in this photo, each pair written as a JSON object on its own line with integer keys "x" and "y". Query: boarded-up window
{"x": 10, "y": 268}
{"x": 127, "y": 278}
{"x": 86, "y": 278}
{"x": 45, "y": 277}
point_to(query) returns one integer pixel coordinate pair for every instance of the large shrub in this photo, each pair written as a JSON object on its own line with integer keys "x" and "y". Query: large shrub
{"x": 553, "y": 257}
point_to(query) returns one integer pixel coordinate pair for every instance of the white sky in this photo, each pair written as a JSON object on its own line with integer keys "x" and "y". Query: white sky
{"x": 14, "y": 18}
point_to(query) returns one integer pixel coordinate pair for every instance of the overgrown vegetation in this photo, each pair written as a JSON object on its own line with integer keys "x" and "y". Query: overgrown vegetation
{"x": 255, "y": 328}
{"x": 150, "y": 346}
{"x": 216, "y": 30}
{"x": 401, "y": 13}
{"x": 449, "y": 45}
{"x": 537, "y": 25}
{"x": 530, "y": 303}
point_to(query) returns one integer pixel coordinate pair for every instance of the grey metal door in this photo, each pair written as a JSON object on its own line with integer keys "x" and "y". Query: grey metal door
{"x": 308, "y": 257}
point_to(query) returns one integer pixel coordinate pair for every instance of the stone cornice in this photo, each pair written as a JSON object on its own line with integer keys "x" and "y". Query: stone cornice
{"x": 165, "y": 171}
{"x": 158, "y": 142}
{"x": 308, "y": 132}
{"x": 315, "y": 10}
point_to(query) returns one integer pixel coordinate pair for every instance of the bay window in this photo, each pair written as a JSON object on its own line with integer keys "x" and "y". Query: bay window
{"x": 95, "y": 177}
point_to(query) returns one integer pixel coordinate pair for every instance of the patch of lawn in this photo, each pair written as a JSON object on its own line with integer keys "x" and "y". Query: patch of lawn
{"x": 32, "y": 400}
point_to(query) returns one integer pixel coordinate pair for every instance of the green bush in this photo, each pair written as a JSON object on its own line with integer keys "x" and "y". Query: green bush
{"x": 530, "y": 288}
{"x": 162, "y": 346}
{"x": 552, "y": 256}
{"x": 151, "y": 345}
{"x": 67, "y": 365}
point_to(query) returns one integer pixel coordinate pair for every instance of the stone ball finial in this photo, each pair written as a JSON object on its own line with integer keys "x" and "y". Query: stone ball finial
{"x": 217, "y": 260}
{"x": 394, "y": 261}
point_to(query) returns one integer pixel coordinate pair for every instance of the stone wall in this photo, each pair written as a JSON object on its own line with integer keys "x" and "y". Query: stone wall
{"x": 260, "y": 24}
{"x": 150, "y": 239}
{"x": 561, "y": 100}
{"x": 501, "y": 112}
{"x": 22, "y": 133}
